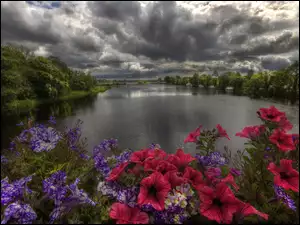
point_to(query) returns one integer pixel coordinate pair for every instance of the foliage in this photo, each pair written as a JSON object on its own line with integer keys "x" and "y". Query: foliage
{"x": 44, "y": 170}
{"x": 25, "y": 76}
{"x": 281, "y": 84}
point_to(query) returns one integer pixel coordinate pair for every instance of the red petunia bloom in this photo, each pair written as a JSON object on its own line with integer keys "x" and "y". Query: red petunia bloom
{"x": 116, "y": 172}
{"x": 157, "y": 154}
{"x": 192, "y": 137}
{"x": 282, "y": 140}
{"x": 245, "y": 209}
{"x": 126, "y": 215}
{"x": 285, "y": 175}
{"x": 222, "y": 132}
{"x": 193, "y": 176}
{"x": 175, "y": 179}
{"x": 136, "y": 170}
{"x": 139, "y": 157}
{"x": 153, "y": 190}
{"x": 229, "y": 179}
{"x": 163, "y": 167}
{"x": 251, "y": 132}
{"x": 270, "y": 114}
{"x": 151, "y": 164}
{"x": 180, "y": 160}
{"x": 285, "y": 124}
{"x": 219, "y": 204}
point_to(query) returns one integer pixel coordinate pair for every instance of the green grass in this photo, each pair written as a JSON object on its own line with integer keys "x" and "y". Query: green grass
{"x": 28, "y": 104}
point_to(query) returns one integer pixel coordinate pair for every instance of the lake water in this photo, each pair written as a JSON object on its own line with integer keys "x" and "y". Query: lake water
{"x": 138, "y": 115}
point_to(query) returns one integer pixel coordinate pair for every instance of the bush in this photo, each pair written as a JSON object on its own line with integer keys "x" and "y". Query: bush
{"x": 47, "y": 176}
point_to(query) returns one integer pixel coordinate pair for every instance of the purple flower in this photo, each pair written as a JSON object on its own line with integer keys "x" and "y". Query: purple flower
{"x": 55, "y": 187}
{"x": 20, "y": 124}
{"x": 235, "y": 172}
{"x": 128, "y": 196}
{"x": 14, "y": 191}
{"x": 12, "y": 146}
{"x": 268, "y": 148}
{"x": 43, "y": 138}
{"x": 73, "y": 136}
{"x": 52, "y": 120}
{"x": 287, "y": 200}
{"x": 101, "y": 164}
{"x": 19, "y": 213}
{"x": 109, "y": 188}
{"x": 3, "y": 159}
{"x": 155, "y": 146}
{"x": 124, "y": 157}
{"x": 57, "y": 212}
{"x": 105, "y": 146}
{"x": 213, "y": 159}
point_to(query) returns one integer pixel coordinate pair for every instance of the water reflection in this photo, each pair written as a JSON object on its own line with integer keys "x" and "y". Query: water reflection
{"x": 140, "y": 114}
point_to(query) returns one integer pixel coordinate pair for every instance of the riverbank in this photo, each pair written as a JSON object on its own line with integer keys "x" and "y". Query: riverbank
{"x": 29, "y": 104}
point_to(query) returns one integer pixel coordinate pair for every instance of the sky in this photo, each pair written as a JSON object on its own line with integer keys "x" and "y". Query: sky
{"x": 156, "y": 38}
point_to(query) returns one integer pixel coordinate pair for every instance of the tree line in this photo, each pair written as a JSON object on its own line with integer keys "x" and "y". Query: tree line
{"x": 280, "y": 84}
{"x": 26, "y": 76}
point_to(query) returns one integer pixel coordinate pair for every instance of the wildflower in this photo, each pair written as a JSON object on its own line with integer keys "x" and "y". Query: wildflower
{"x": 270, "y": 114}
{"x": 105, "y": 146}
{"x": 151, "y": 164}
{"x": 128, "y": 196}
{"x": 192, "y": 137}
{"x": 283, "y": 141}
{"x": 229, "y": 179}
{"x": 116, "y": 172}
{"x": 251, "y": 132}
{"x": 110, "y": 188}
{"x": 214, "y": 159}
{"x": 157, "y": 154}
{"x": 285, "y": 124}
{"x": 219, "y": 204}
{"x": 153, "y": 190}
{"x": 19, "y": 213}
{"x": 285, "y": 176}
{"x": 126, "y": 215}
{"x": 222, "y": 132}
{"x": 124, "y": 157}
{"x": 73, "y": 136}
{"x": 281, "y": 195}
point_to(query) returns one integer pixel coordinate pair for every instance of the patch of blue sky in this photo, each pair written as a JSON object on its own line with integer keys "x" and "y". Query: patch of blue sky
{"x": 45, "y": 4}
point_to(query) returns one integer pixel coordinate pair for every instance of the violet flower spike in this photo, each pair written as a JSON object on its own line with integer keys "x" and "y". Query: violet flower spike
{"x": 19, "y": 213}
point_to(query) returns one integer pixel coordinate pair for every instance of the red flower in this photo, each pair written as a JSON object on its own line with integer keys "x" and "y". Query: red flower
{"x": 151, "y": 164}
{"x": 180, "y": 160}
{"x": 222, "y": 132}
{"x": 126, "y": 215}
{"x": 192, "y": 137}
{"x": 175, "y": 179}
{"x": 139, "y": 156}
{"x": 270, "y": 114}
{"x": 157, "y": 154}
{"x": 251, "y": 132}
{"x": 212, "y": 175}
{"x": 153, "y": 190}
{"x": 229, "y": 179}
{"x": 282, "y": 140}
{"x": 193, "y": 176}
{"x": 219, "y": 204}
{"x": 136, "y": 170}
{"x": 245, "y": 209}
{"x": 116, "y": 172}
{"x": 285, "y": 175}
{"x": 163, "y": 167}
{"x": 285, "y": 124}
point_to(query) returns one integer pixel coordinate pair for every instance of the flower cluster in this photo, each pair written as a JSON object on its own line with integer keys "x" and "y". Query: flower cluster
{"x": 213, "y": 159}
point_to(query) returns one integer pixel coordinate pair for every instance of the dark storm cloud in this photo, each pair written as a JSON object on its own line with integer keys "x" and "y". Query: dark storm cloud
{"x": 157, "y": 36}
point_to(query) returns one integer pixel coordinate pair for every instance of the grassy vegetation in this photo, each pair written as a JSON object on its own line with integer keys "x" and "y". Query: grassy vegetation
{"x": 142, "y": 82}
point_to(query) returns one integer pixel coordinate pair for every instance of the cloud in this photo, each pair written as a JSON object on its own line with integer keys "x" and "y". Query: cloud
{"x": 153, "y": 38}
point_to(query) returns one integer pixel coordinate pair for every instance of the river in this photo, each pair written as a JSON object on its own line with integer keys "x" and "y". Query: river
{"x": 138, "y": 115}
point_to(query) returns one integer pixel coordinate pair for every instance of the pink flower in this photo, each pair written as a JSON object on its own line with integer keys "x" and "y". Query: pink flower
{"x": 282, "y": 140}
{"x": 117, "y": 171}
{"x": 192, "y": 137}
{"x": 251, "y": 132}
{"x": 222, "y": 132}
{"x": 270, "y": 114}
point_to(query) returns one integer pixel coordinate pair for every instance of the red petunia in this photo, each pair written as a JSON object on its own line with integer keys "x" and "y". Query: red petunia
{"x": 229, "y": 179}
{"x": 116, "y": 172}
{"x": 139, "y": 156}
{"x": 270, "y": 114}
{"x": 251, "y": 132}
{"x": 193, "y": 176}
{"x": 282, "y": 140}
{"x": 151, "y": 164}
{"x": 126, "y": 215}
{"x": 219, "y": 204}
{"x": 136, "y": 170}
{"x": 180, "y": 160}
{"x": 192, "y": 137}
{"x": 245, "y": 209}
{"x": 175, "y": 179}
{"x": 153, "y": 190}
{"x": 285, "y": 124}
{"x": 285, "y": 175}
{"x": 222, "y": 132}
{"x": 157, "y": 154}
{"x": 163, "y": 167}
{"x": 212, "y": 175}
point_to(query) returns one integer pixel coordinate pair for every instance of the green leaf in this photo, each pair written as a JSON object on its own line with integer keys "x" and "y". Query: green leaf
{"x": 224, "y": 171}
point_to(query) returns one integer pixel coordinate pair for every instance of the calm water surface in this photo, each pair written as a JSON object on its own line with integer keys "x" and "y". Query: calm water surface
{"x": 138, "y": 115}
